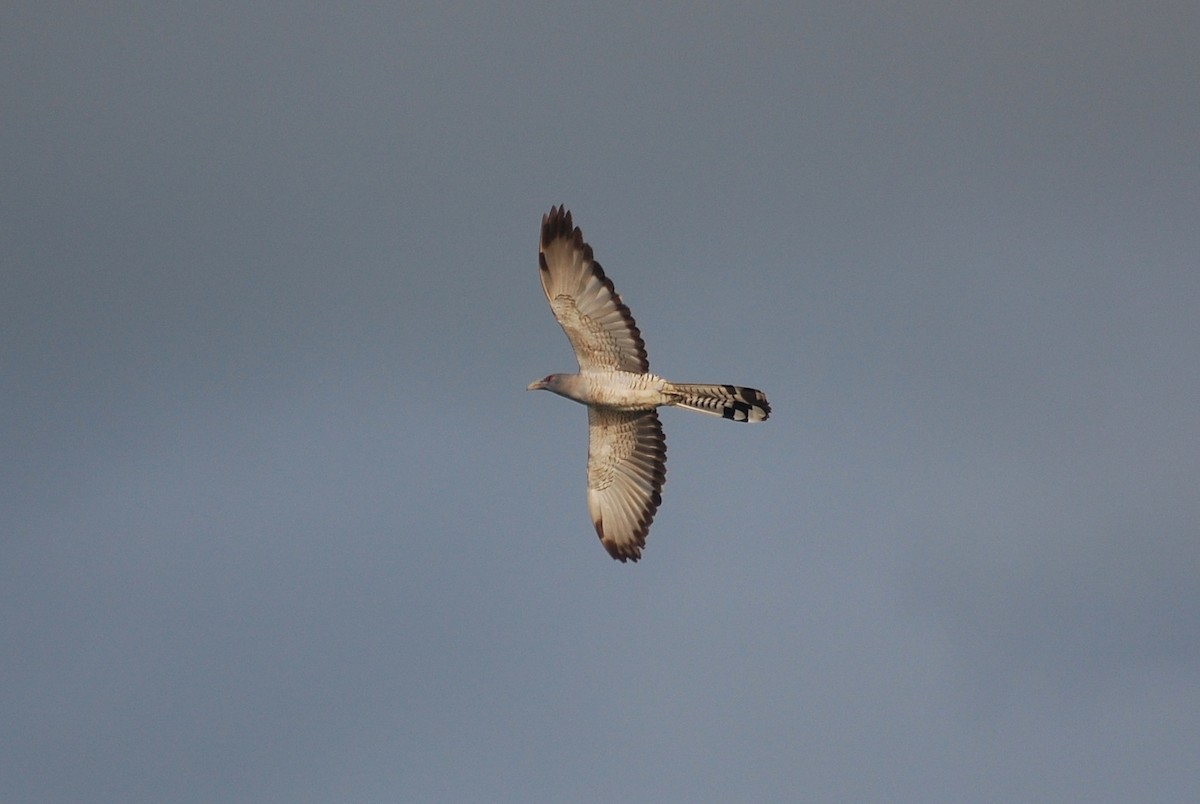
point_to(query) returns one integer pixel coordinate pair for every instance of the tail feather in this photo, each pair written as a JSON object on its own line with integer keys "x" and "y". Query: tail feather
{"x": 728, "y": 401}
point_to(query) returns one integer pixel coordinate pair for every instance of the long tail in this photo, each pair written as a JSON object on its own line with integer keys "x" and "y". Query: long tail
{"x": 728, "y": 401}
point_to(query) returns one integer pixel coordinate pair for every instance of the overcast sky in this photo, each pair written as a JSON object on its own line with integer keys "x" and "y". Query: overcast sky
{"x": 280, "y": 522}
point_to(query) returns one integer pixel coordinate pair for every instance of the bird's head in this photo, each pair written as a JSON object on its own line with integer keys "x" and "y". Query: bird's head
{"x": 546, "y": 383}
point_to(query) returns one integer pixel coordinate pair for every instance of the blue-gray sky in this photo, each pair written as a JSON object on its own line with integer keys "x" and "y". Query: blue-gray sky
{"x": 281, "y": 523}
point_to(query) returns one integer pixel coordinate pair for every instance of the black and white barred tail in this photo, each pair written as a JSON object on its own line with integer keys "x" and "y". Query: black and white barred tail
{"x": 728, "y": 401}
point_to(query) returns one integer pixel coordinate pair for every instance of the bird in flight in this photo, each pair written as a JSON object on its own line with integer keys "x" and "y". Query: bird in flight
{"x": 627, "y": 453}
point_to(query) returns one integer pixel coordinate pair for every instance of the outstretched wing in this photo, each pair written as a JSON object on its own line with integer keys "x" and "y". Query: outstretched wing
{"x": 597, "y": 323}
{"x": 627, "y": 466}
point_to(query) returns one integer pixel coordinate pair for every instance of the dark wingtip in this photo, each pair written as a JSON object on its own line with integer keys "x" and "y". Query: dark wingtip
{"x": 622, "y": 555}
{"x": 557, "y": 222}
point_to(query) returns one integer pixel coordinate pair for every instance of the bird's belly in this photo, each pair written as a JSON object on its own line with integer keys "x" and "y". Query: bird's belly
{"x": 625, "y": 391}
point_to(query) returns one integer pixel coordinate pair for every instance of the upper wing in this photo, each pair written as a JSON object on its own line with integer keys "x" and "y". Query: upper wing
{"x": 627, "y": 466}
{"x": 597, "y": 323}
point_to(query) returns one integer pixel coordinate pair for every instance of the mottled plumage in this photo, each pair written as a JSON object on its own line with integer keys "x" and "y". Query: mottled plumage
{"x": 627, "y": 453}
